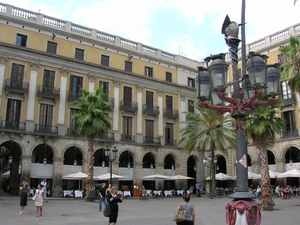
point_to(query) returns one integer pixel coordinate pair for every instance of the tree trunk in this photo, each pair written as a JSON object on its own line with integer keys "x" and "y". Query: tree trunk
{"x": 213, "y": 171}
{"x": 266, "y": 197}
{"x": 90, "y": 170}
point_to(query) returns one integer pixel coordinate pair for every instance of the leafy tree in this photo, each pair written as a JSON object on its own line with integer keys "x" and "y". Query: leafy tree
{"x": 261, "y": 127}
{"x": 92, "y": 120}
{"x": 290, "y": 69}
{"x": 209, "y": 131}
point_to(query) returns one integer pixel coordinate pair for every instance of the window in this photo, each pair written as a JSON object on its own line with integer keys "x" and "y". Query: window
{"x": 149, "y": 99}
{"x": 191, "y": 82}
{"x": 105, "y": 86}
{"x": 168, "y": 76}
{"x": 280, "y": 59}
{"x": 75, "y": 85}
{"x": 148, "y": 71}
{"x": 104, "y": 60}
{"x": 46, "y": 115}
{"x": 127, "y": 127}
{"x": 149, "y": 131}
{"x": 169, "y": 134}
{"x": 128, "y": 66}
{"x": 169, "y": 103}
{"x": 191, "y": 108}
{"x": 17, "y": 75}
{"x": 79, "y": 53}
{"x": 286, "y": 90}
{"x": 48, "y": 81}
{"x": 290, "y": 126}
{"x": 13, "y": 113}
{"x": 21, "y": 40}
{"x": 51, "y": 47}
{"x": 127, "y": 96}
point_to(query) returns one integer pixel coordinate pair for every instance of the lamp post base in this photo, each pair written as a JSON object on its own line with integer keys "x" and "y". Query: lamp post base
{"x": 243, "y": 212}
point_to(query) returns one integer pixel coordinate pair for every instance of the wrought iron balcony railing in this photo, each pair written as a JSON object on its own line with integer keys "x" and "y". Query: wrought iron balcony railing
{"x": 45, "y": 129}
{"x": 170, "y": 142}
{"x": 128, "y": 106}
{"x": 127, "y": 138}
{"x": 151, "y": 109}
{"x": 15, "y": 86}
{"x": 171, "y": 113}
{"x": 74, "y": 95}
{"x": 151, "y": 140}
{"x": 48, "y": 92}
{"x": 12, "y": 125}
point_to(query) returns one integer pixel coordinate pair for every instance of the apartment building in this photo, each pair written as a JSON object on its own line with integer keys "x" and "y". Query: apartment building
{"x": 44, "y": 62}
{"x": 285, "y": 153}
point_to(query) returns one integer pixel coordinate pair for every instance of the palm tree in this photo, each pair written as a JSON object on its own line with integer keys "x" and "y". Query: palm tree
{"x": 90, "y": 120}
{"x": 209, "y": 131}
{"x": 290, "y": 69}
{"x": 261, "y": 127}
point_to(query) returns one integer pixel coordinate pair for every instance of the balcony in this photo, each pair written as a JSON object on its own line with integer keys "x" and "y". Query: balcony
{"x": 128, "y": 106}
{"x": 151, "y": 110}
{"x": 12, "y": 126}
{"x": 127, "y": 138}
{"x": 106, "y": 136}
{"x": 74, "y": 95}
{"x": 171, "y": 113}
{"x": 170, "y": 142}
{"x": 151, "y": 140}
{"x": 14, "y": 86}
{"x": 72, "y": 133}
{"x": 289, "y": 101}
{"x": 45, "y": 129}
{"x": 290, "y": 134}
{"x": 48, "y": 92}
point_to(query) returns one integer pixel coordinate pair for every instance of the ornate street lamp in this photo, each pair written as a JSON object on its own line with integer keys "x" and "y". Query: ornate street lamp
{"x": 111, "y": 156}
{"x": 10, "y": 158}
{"x": 45, "y": 159}
{"x": 261, "y": 78}
{"x": 75, "y": 161}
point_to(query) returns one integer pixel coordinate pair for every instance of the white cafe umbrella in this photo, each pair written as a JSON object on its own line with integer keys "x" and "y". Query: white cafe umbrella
{"x": 290, "y": 173}
{"x": 156, "y": 176}
{"x": 107, "y": 176}
{"x": 180, "y": 177}
{"x": 273, "y": 174}
{"x": 252, "y": 176}
{"x": 76, "y": 176}
{"x": 222, "y": 176}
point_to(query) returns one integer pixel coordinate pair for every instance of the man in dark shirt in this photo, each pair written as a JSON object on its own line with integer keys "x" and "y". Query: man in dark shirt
{"x": 102, "y": 197}
{"x": 24, "y": 188}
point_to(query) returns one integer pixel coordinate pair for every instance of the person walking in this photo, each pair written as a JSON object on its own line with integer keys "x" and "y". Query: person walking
{"x": 108, "y": 190}
{"x": 39, "y": 192}
{"x": 198, "y": 189}
{"x": 189, "y": 211}
{"x": 113, "y": 199}
{"x": 102, "y": 196}
{"x": 24, "y": 188}
{"x": 44, "y": 187}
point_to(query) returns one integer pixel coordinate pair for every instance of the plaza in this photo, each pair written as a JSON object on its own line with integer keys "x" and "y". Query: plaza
{"x": 133, "y": 211}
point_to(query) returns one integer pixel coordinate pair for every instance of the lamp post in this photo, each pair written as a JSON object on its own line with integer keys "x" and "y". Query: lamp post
{"x": 75, "y": 161}
{"x": 111, "y": 156}
{"x": 212, "y": 85}
{"x": 45, "y": 159}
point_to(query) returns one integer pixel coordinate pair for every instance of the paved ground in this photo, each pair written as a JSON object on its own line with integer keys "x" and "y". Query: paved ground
{"x": 136, "y": 212}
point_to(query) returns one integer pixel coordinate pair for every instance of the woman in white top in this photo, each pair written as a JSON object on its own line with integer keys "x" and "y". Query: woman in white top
{"x": 39, "y": 192}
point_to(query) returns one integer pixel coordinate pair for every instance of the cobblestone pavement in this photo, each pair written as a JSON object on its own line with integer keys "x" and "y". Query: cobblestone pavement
{"x": 136, "y": 212}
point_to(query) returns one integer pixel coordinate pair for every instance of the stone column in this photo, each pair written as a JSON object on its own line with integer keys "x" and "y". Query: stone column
{"x": 139, "y": 133}
{"x": 2, "y": 70}
{"x": 92, "y": 83}
{"x": 58, "y": 168}
{"x": 182, "y": 108}
{"x": 160, "y": 117}
{"x": 62, "y": 102}
{"x": 116, "y": 111}
{"x": 31, "y": 98}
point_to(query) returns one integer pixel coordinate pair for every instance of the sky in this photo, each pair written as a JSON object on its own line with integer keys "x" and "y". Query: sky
{"x": 191, "y": 28}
